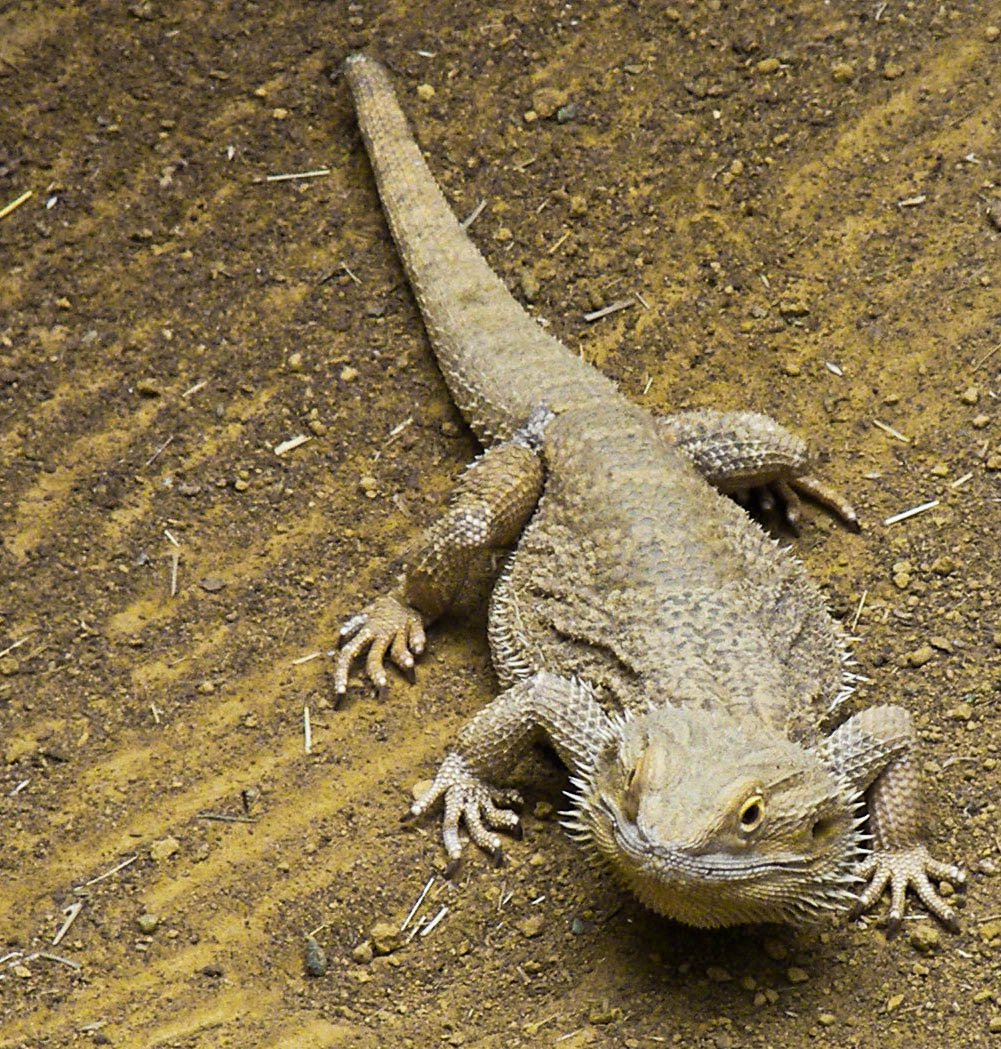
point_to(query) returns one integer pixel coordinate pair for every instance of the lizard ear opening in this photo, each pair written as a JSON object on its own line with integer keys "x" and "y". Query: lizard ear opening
{"x": 631, "y": 794}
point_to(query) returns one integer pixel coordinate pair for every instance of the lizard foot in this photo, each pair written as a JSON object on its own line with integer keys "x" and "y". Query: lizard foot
{"x": 387, "y": 624}
{"x": 782, "y": 500}
{"x": 900, "y": 869}
{"x": 468, "y": 797}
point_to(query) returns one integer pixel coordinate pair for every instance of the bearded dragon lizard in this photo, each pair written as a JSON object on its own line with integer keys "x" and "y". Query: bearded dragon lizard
{"x": 678, "y": 660}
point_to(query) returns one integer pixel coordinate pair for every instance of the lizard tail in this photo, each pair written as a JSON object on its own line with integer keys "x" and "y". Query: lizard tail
{"x": 498, "y": 363}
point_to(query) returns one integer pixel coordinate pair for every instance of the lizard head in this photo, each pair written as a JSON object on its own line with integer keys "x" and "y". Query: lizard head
{"x": 711, "y": 822}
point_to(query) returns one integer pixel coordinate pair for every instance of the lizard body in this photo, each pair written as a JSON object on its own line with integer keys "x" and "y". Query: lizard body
{"x": 680, "y": 662}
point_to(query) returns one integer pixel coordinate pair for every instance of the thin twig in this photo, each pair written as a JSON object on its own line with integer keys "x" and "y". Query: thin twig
{"x": 622, "y": 304}
{"x": 70, "y": 913}
{"x": 114, "y": 870}
{"x": 17, "y": 644}
{"x": 317, "y": 173}
{"x": 904, "y": 514}
{"x": 50, "y": 957}
{"x": 7, "y": 209}
{"x": 222, "y": 817}
{"x": 306, "y": 659}
{"x": 858, "y": 611}
{"x": 473, "y": 215}
{"x": 175, "y": 560}
{"x": 194, "y": 389}
{"x": 19, "y": 788}
{"x": 551, "y": 250}
{"x": 891, "y": 431}
{"x": 292, "y": 442}
{"x": 987, "y": 356}
{"x": 419, "y": 901}
{"x": 160, "y": 449}
{"x": 347, "y": 270}
{"x": 307, "y": 732}
{"x": 434, "y": 921}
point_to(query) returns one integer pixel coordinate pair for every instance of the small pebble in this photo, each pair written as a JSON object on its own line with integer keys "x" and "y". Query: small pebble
{"x": 385, "y": 937}
{"x": 892, "y": 70}
{"x": 425, "y": 92}
{"x": 826, "y": 1019}
{"x": 796, "y": 975}
{"x": 532, "y": 926}
{"x": 920, "y": 655}
{"x": 163, "y": 849}
{"x": 148, "y": 922}
{"x": 547, "y": 100}
{"x": 980, "y": 421}
{"x": 894, "y": 1002}
{"x": 792, "y": 368}
{"x": 943, "y": 565}
{"x": 924, "y": 937}
{"x": 280, "y": 113}
{"x": 991, "y": 33}
{"x": 768, "y": 65}
{"x": 316, "y": 958}
{"x": 842, "y": 71}
{"x": 970, "y": 395}
{"x": 148, "y": 388}
{"x": 718, "y": 974}
{"x": 363, "y": 953}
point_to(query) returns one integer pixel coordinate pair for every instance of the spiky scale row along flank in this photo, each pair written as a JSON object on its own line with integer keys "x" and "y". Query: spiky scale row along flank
{"x": 677, "y": 659}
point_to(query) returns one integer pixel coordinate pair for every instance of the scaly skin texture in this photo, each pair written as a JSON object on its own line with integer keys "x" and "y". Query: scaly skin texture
{"x": 680, "y": 662}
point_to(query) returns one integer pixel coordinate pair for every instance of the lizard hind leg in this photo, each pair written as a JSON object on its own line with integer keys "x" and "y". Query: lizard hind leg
{"x": 754, "y": 459}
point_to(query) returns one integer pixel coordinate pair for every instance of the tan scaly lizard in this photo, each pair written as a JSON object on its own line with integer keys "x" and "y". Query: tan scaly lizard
{"x": 680, "y": 662}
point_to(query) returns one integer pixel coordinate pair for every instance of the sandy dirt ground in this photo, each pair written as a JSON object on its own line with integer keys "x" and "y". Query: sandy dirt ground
{"x": 796, "y": 199}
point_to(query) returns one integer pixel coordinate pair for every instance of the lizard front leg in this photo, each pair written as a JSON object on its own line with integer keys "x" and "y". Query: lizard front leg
{"x": 493, "y": 500}
{"x": 740, "y": 452}
{"x": 874, "y": 751}
{"x": 564, "y": 711}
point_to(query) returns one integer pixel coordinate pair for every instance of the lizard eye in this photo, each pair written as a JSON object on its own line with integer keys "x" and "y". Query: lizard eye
{"x": 751, "y": 813}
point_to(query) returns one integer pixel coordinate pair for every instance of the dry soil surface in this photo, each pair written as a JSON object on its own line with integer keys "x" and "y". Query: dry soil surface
{"x": 795, "y": 199}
